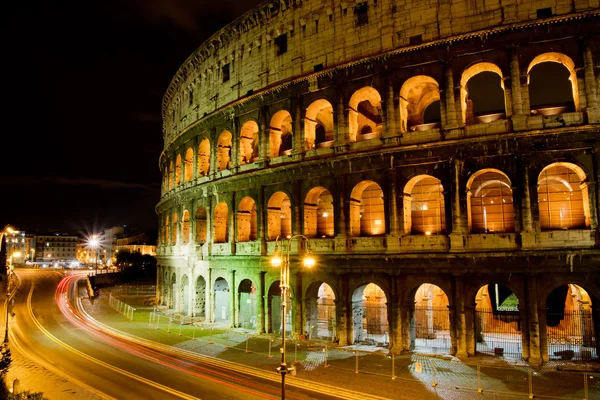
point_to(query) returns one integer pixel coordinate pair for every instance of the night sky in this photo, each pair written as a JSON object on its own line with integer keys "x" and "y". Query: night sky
{"x": 83, "y": 86}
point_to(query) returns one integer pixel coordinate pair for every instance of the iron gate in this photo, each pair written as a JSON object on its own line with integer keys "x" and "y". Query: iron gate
{"x": 498, "y": 333}
{"x": 432, "y": 329}
{"x": 326, "y": 321}
{"x": 571, "y": 335}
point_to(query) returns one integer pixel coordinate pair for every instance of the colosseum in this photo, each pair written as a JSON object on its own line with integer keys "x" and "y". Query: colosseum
{"x": 437, "y": 158}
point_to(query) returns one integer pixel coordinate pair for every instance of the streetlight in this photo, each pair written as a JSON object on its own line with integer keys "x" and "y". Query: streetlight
{"x": 283, "y": 263}
{"x": 9, "y": 230}
{"x": 94, "y": 243}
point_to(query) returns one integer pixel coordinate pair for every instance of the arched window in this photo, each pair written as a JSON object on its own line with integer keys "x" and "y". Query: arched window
{"x": 563, "y": 197}
{"x": 249, "y": 143}
{"x": 204, "y": 157}
{"x": 424, "y": 197}
{"x": 201, "y": 225}
{"x": 318, "y": 125}
{"x": 482, "y": 94}
{"x": 419, "y": 104}
{"x": 318, "y": 213}
{"x": 178, "y": 170}
{"x": 552, "y": 84}
{"x": 490, "y": 202}
{"x": 224, "y": 151}
{"x": 280, "y": 135}
{"x": 246, "y": 220}
{"x": 279, "y": 213}
{"x": 189, "y": 165}
{"x": 221, "y": 221}
{"x": 367, "y": 210}
{"x": 185, "y": 227}
{"x": 365, "y": 114}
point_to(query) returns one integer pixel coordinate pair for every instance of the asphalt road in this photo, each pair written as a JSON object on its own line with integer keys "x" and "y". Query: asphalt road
{"x": 49, "y": 331}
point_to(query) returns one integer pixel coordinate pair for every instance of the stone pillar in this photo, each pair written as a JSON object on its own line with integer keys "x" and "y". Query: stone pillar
{"x": 341, "y": 210}
{"x": 471, "y": 329}
{"x": 394, "y": 317}
{"x": 533, "y": 326}
{"x": 344, "y": 312}
{"x": 591, "y": 90}
{"x": 212, "y": 170}
{"x": 297, "y": 307}
{"x": 595, "y": 310}
{"x": 342, "y": 130}
{"x": 260, "y": 303}
{"x": 232, "y": 224}
{"x": 210, "y": 298}
{"x": 297, "y": 225}
{"x": 526, "y": 214}
{"x": 261, "y": 212}
{"x": 298, "y": 135}
{"x": 459, "y": 321}
{"x": 451, "y": 117}
{"x": 404, "y": 216}
{"x": 515, "y": 82}
{"x": 409, "y": 333}
{"x": 264, "y": 136}
{"x": 390, "y": 126}
{"x": 233, "y": 291}
{"x": 393, "y": 202}
{"x": 459, "y": 201}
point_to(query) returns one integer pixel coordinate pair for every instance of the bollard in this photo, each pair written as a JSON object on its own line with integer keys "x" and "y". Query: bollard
{"x": 326, "y": 356}
{"x": 210, "y": 336}
{"x": 180, "y": 327}
{"x": 393, "y": 366}
{"x": 356, "y": 369}
{"x": 433, "y": 383}
{"x": 150, "y": 319}
{"x": 530, "y": 385}
{"x": 270, "y": 345}
{"x": 247, "y": 340}
{"x": 479, "y": 389}
{"x": 157, "y": 321}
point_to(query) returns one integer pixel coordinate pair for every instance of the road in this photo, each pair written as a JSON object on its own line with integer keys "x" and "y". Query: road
{"x": 49, "y": 330}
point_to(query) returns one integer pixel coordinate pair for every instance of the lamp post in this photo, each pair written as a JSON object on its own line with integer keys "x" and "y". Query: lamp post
{"x": 7, "y": 229}
{"x": 94, "y": 243}
{"x": 283, "y": 263}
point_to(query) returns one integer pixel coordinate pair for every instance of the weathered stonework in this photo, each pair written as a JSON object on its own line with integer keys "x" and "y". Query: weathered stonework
{"x": 306, "y": 118}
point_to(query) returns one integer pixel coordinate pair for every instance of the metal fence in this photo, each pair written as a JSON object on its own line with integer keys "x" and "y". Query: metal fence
{"x": 432, "y": 329}
{"x": 124, "y": 290}
{"x": 571, "y": 335}
{"x": 498, "y": 333}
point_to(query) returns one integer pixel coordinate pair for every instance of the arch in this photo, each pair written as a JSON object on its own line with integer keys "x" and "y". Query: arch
{"x": 279, "y": 216}
{"x": 222, "y": 301}
{"x": 539, "y": 97}
{"x": 184, "y": 291}
{"x": 275, "y": 324}
{"x": 369, "y": 315}
{"x": 247, "y": 304}
{"x": 497, "y": 323}
{"x": 166, "y": 289}
{"x": 224, "y": 151}
{"x": 204, "y": 157}
{"x": 364, "y": 114}
{"x": 178, "y": 170}
{"x": 563, "y": 197}
{"x": 174, "y": 230}
{"x": 482, "y": 93}
{"x": 431, "y": 318}
{"x": 200, "y": 303}
{"x": 280, "y": 134}
{"x": 318, "y": 124}
{"x": 416, "y": 95}
{"x": 246, "y": 220}
{"x": 490, "y": 202}
{"x": 318, "y": 213}
{"x": 201, "y": 225}
{"x": 189, "y": 165}
{"x": 570, "y": 329}
{"x": 185, "y": 227}
{"x": 367, "y": 210}
{"x": 172, "y": 290}
{"x": 249, "y": 143}
{"x": 220, "y": 229}
{"x": 321, "y": 320}
{"x": 424, "y": 197}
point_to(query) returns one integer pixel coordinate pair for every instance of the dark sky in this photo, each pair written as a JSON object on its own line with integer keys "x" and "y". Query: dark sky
{"x": 83, "y": 86}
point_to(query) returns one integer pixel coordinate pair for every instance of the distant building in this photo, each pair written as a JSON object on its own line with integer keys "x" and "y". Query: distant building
{"x": 109, "y": 242}
{"x": 141, "y": 243}
{"x": 56, "y": 248}
{"x": 16, "y": 247}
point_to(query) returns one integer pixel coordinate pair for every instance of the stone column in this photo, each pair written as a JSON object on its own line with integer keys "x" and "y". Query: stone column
{"x": 298, "y": 135}
{"x": 471, "y": 329}
{"x": 451, "y": 117}
{"x": 261, "y": 211}
{"x": 591, "y": 91}
{"x": 515, "y": 82}
{"x": 344, "y": 312}
{"x": 264, "y": 136}
{"x": 525, "y": 200}
{"x": 459, "y": 203}
{"x": 297, "y": 309}
{"x": 260, "y": 303}
{"x": 390, "y": 126}
{"x": 210, "y": 298}
{"x": 395, "y": 317}
{"x": 533, "y": 327}
{"x": 341, "y": 124}
{"x": 459, "y": 322}
{"x": 233, "y": 291}
{"x": 214, "y": 152}
{"x": 341, "y": 210}
{"x": 297, "y": 225}
{"x": 232, "y": 224}
{"x": 393, "y": 202}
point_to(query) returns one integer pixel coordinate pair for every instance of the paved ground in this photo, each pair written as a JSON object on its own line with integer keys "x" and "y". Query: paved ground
{"x": 417, "y": 375}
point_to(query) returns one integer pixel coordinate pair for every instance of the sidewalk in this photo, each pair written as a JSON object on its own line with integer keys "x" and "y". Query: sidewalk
{"x": 363, "y": 369}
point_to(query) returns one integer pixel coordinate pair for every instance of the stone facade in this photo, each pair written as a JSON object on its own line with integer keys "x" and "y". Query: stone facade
{"x": 412, "y": 145}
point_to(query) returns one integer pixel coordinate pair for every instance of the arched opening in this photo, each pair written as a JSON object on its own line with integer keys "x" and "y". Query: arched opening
{"x": 204, "y": 157}
{"x": 224, "y": 151}
{"x": 189, "y": 165}
{"x": 318, "y": 125}
{"x": 552, "y": 84}
{"x": 280, "y": 134}
{"x": 279, "y": 216}
{"x": 318, "y": 213}
{"x": 490, "y": 202}
{"x": 498, "y": 322}
{"x": 274, "y": 309}
{"x": 563, "y": 197}
{"x": 482, "y": 94}
{"x": 185, "y": 227}
{"x": 249, "y": 143}
{"x": 200, "y": 304}
{"x": 369, "y": 316}
{"x": 222, "y": 301}
{"x": 185, "y": 295}
{"x": 174, "y": 230}
{"x": 201, "y": 225}
{"x": 166, "y": 289}
{"x": 420, "y": 104}
{"x": 172, "y": 290}
{"x": 321, "y": 321}
{"x": 364, "y": 114}
{"x": 247, "y": 303}
{"x": 246, "y": 220}
{"x": 171, "y": 176}
{"x": 367, "y": 210}
{"x": 220, "y": 230}
{"x": 570, "y": 326}
{"x": 178, "y": 170}
{"x": 424, "y": 197}
{"x": 431, "y": 320}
